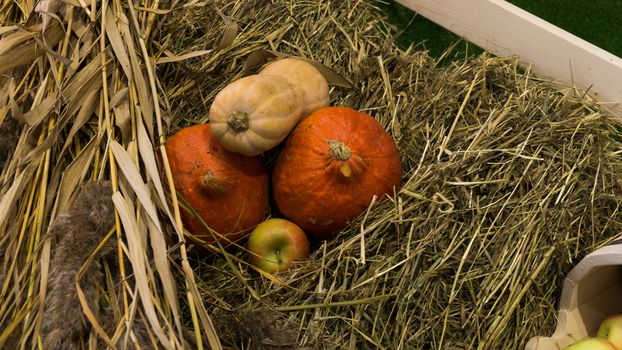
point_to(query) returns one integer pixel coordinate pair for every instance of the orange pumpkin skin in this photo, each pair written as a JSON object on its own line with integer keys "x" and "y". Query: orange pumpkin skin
{"x": 228, "y": 190}
{"x": 321, "y": 185}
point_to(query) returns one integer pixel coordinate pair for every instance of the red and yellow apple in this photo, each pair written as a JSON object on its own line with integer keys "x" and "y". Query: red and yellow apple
{"x": 611, "y": 329}
{"x": 591, "y": 344}
{"x": 276, "y": 244}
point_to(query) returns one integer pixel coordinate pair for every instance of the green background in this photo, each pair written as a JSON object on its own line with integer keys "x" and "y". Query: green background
{"x": 597, "y": 21}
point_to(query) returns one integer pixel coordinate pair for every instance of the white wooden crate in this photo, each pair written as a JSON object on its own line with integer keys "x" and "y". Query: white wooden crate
{"x": 504, "y": 29}
{"x": 592, "y": 291}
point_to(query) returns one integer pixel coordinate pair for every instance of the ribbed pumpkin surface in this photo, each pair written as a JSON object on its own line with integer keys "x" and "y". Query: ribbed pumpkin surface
{"x": 228, "y": 190}
{"x": 332, "y": 165}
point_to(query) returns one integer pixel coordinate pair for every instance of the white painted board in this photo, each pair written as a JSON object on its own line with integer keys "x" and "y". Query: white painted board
{"x": 591, "y": 293}
{"x": 504, "y": 29}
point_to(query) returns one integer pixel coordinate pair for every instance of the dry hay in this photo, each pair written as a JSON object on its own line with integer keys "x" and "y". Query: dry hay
{"x": 508, "y": 183}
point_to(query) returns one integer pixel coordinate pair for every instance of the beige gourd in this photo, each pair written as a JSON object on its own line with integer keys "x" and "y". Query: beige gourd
{"x": 255, "y": 113}
{"x": 304, "y": 76}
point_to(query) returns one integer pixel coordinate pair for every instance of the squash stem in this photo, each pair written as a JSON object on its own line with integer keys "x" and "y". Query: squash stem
{"x": 213, "y": 185}
{"x": 339, "y": 149}
{"x": 238, "y": 121}
{"x": 341, "y": 152}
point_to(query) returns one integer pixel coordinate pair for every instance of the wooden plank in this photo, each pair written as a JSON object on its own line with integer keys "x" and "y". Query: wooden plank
{"x": 551, "y": 52}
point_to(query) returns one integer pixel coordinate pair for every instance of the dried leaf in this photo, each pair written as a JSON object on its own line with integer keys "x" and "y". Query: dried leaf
{"x": 156, "y": 11}
{"x": 173, "y": 58}
{"x": 45, "y": 269}
{"x": 28, "y": 52}
{"x": 64, "y": 60}
{"x": 119, "y": 97}
{"x": 90, "y": 315}
{"x": 14, "y": 40}
{"x": 193, "y": 3}
{"x": 74, "y": 3}
{"x": 49, "y": 141}
{"x": 84, "y": 80}
{"x": 121, "y": 106}
{"x": 16, "y": 110}
{"x": 137, "y": 258}
{"x": 47, "y": 9}
{"x": 114, "y": 36}
{"x": 14, "y": 192}
{"x": 39, "y": 112}
{"x": 228, "y": 36}
{"x": 160, "y": 257}
{"x": 145, "y": 148}
{"x": 8, "y": 29}
{"x": 86, "y": 112}
{"x": 75, "y": 173}
{"x": 331, "y": 76}
{"x": 144, "y": 96}
{"x": 77, "y": 101}
{"x": 157, "y": 241}
{"x": 258, "y": 58}
{"x": 132, "y": 174}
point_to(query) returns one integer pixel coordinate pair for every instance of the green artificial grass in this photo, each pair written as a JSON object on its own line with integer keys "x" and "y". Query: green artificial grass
{"x": 415, "y": 30}
{"x": 596, "y": 21}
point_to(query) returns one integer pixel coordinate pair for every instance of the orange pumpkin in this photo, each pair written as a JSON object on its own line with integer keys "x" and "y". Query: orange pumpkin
{"x": 332, "y": 165}
{"x": 228, "y": 190}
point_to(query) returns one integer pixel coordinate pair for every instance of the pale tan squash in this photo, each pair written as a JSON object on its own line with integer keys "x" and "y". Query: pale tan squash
{"x": 302, "y": 75}
{"x": 255, "y": 113}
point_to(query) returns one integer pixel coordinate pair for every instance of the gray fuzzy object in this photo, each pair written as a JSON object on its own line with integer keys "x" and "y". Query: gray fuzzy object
{"x": 77, "y": 234}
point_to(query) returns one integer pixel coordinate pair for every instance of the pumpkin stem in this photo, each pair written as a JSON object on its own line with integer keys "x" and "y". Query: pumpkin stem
{"x": 211, "y": 184}
{"x": 238, "y": 121}
{"x": 341, "y": 152}
{"x": 339, "y": 149}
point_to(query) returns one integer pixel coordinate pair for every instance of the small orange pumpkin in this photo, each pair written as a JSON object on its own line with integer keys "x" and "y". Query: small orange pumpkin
{"x": 228, "y": 190}
{"x": 332, "y": 165}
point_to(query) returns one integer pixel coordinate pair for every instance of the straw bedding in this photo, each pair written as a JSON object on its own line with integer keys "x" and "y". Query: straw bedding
{"x": 508, "y": 182}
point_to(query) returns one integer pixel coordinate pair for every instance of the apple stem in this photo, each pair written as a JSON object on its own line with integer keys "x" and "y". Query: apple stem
{"x": 279, "y": 259}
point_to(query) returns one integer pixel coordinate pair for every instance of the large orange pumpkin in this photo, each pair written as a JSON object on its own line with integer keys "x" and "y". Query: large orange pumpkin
{"x": 332, "y": 165}
{"x": 228, "y": 190}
